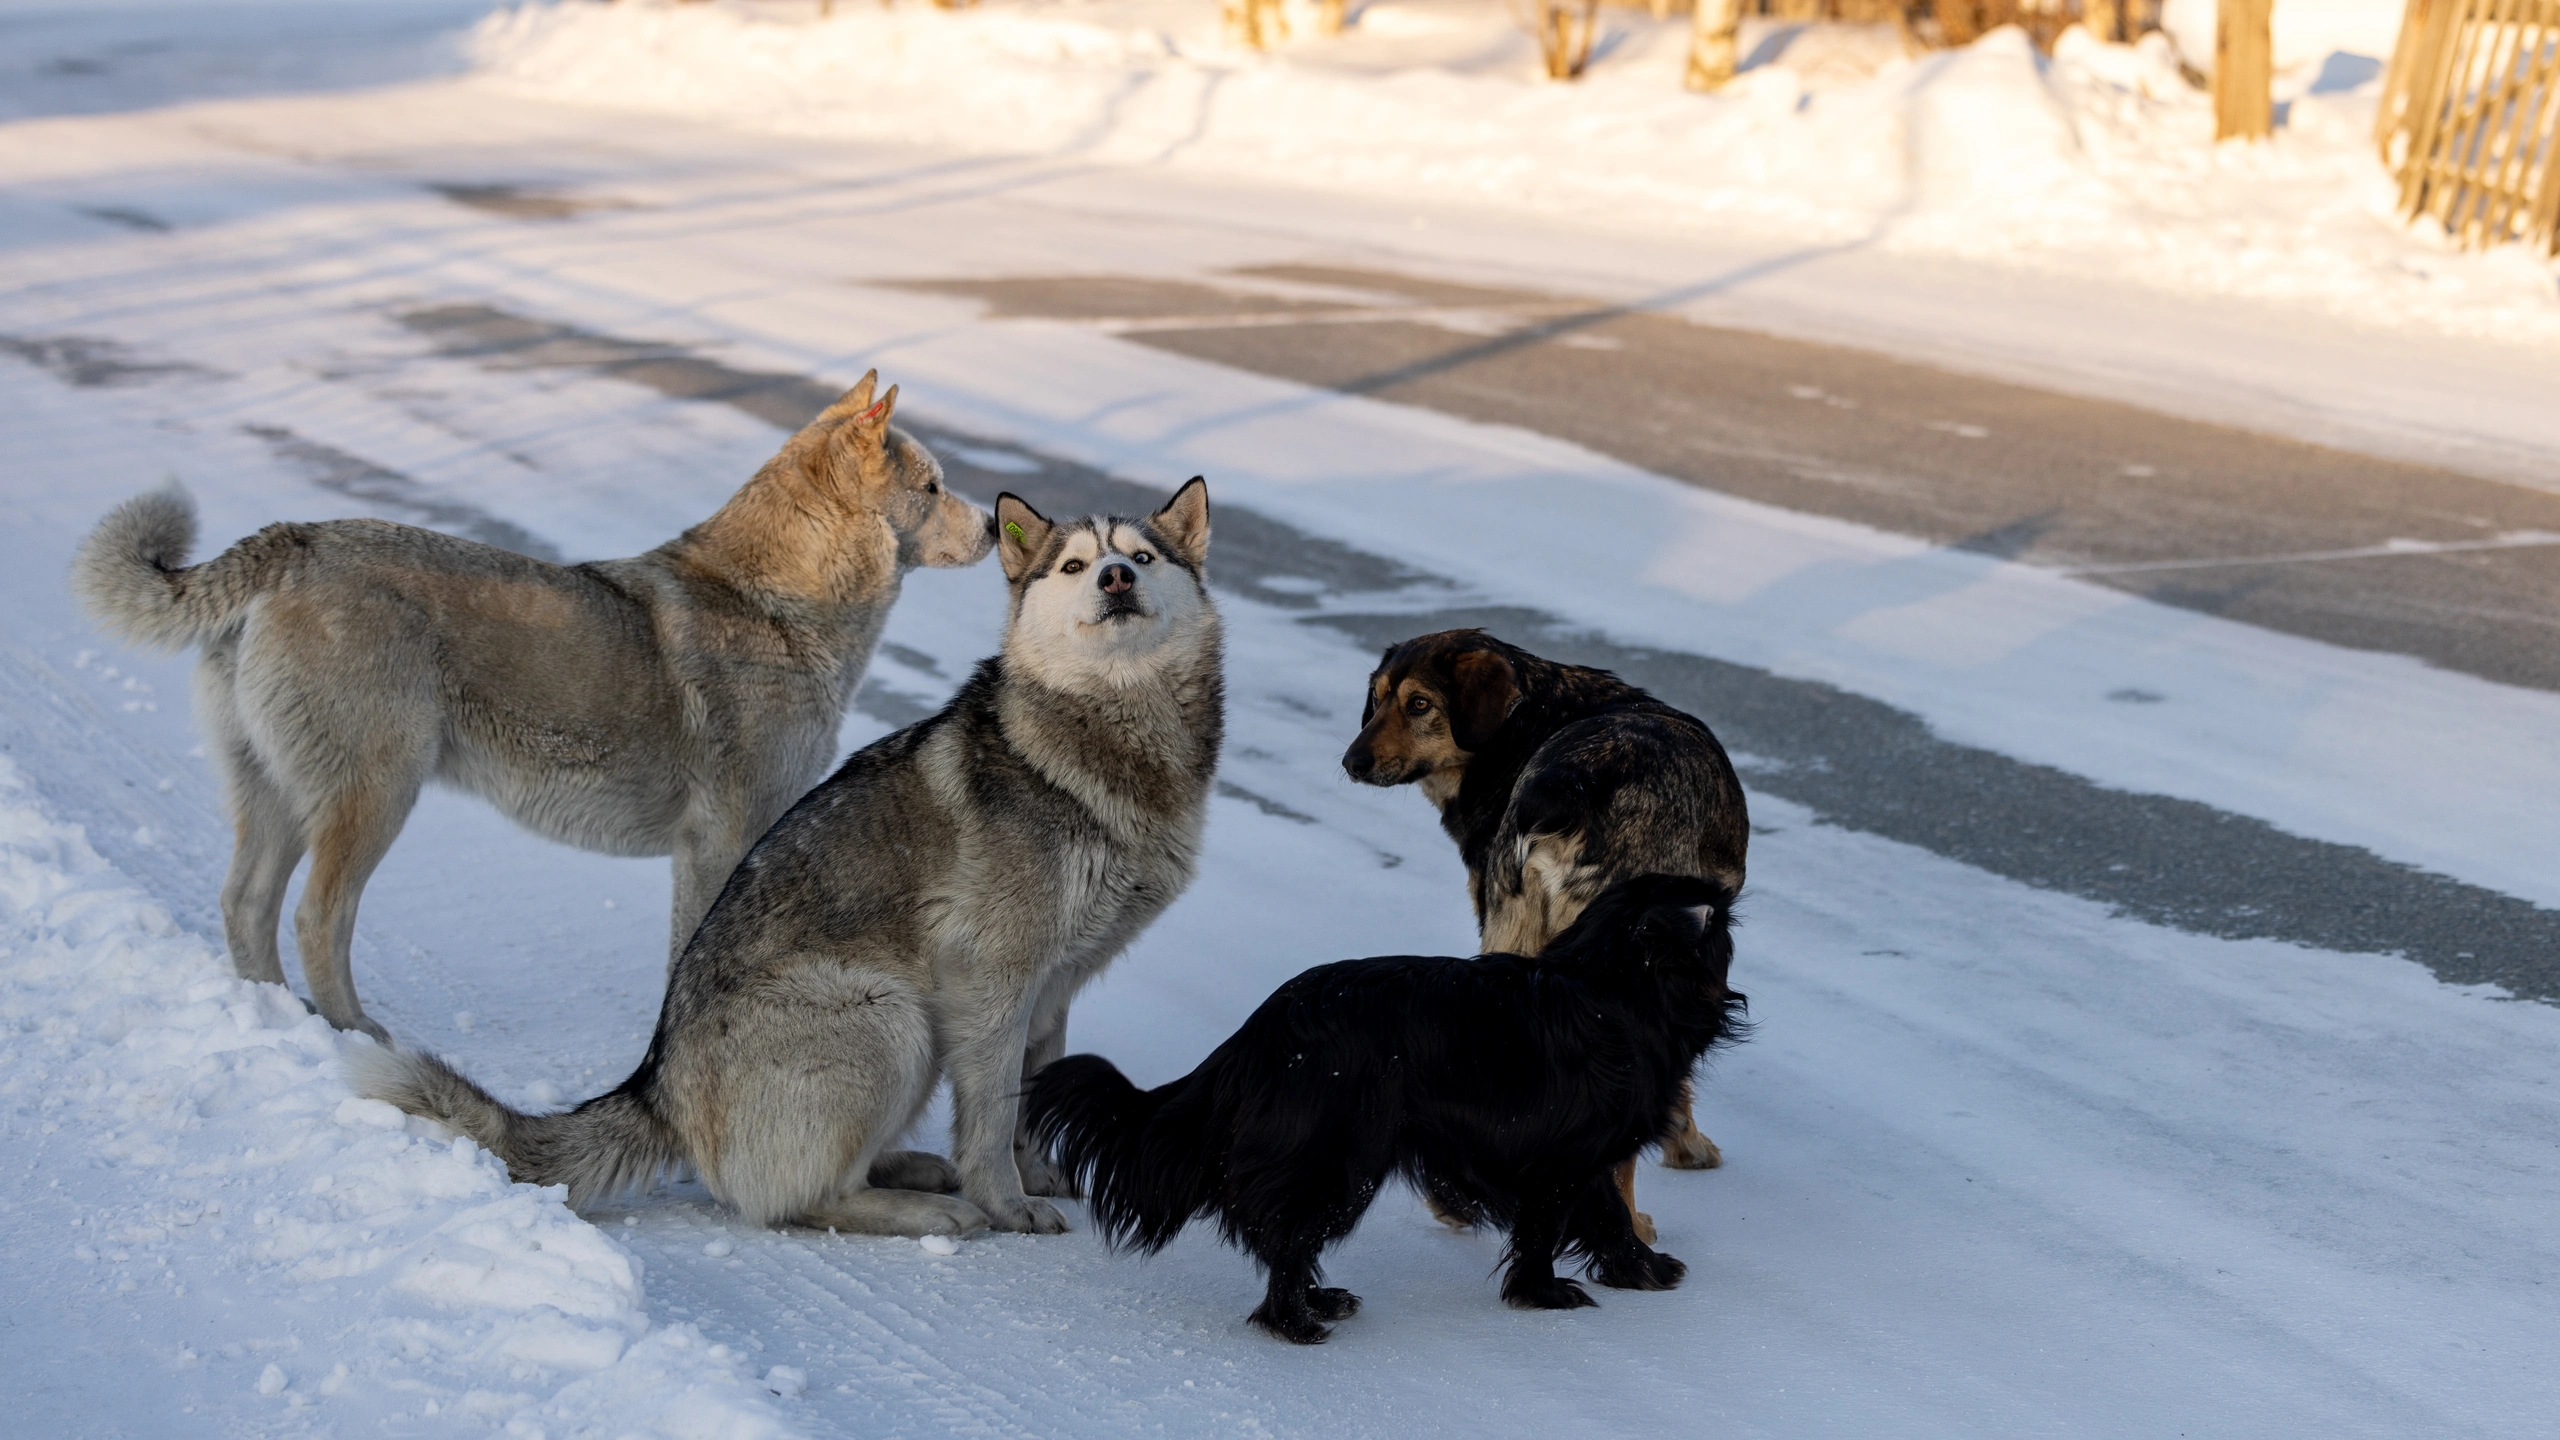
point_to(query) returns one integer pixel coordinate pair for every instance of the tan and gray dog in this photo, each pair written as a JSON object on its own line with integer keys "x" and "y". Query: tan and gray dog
{"x": 930, "y": 909}
{"x": 676, "y": 702}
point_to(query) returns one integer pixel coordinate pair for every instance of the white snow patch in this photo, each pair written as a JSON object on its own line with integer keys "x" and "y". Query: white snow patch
{"x": 205, "y": 1134}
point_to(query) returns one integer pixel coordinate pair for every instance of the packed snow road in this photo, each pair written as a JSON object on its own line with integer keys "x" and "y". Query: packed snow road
{"x": 2086, "y": 1099}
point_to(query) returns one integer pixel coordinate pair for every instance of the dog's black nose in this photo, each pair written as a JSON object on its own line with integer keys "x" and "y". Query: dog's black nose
{"x": 1357, "y": 762}
{"x": 1118, "y": 579}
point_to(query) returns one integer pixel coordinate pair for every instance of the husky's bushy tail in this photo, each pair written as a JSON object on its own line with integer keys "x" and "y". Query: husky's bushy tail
{"x": 612, "y": 1145}
{"x": 132, "y": 571}
{"x": 1143, "y": 1158}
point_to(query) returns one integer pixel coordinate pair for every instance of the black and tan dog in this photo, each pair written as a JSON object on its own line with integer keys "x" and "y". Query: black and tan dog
{"x": 1556, "y": 781}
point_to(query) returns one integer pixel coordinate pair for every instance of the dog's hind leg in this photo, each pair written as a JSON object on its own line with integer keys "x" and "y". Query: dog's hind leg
{"x": 706, "y": 851}
{"x": 1532, "y": 1283}
{"x": 915, "y": 1170}
{"x": 1625, "y": 1176}
{"x": 867, "y": 1211}
{"x": 1448, "y": 1207}
{"x": 349, "y": 836}
{"x": 1601, "y": 1228}
{"x": 1295, "y": 1211}
{"x": 268, "y": 846}
{"x": 796, "y": 1097}
{"x": 266, "y": 823}
{"x": 1288, "y": 1307}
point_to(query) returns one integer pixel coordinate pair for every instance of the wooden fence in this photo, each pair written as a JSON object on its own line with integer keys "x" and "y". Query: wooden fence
{"x": 2470, "y": 119}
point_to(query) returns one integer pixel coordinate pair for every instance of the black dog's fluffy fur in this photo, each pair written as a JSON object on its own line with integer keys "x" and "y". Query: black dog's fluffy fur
{"x": 1505, "y": 1084}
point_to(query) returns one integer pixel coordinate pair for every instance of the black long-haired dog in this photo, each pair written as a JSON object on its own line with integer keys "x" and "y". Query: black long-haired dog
{"x": 1507, "y": 1085}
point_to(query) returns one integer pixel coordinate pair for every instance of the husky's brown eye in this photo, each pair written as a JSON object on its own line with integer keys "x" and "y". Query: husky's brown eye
{"x": 1072, "y": 567}
{"x": 1418, "y": 705}
{"x": 1143, "y": 558}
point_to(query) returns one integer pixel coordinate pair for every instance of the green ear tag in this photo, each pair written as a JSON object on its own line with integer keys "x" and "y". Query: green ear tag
{"x": 1014, "y": 529}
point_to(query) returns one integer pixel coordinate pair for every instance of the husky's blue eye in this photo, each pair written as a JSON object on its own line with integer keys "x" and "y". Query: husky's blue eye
{"x": 1143, "y": 558}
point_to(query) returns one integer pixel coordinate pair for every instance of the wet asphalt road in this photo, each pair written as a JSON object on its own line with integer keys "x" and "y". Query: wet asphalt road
{"x": 2376, "y": 554}
{"x": 1854, "y": 761}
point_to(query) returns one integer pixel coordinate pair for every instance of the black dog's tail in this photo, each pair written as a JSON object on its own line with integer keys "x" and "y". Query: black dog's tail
{"x": 1143, "y": 1161}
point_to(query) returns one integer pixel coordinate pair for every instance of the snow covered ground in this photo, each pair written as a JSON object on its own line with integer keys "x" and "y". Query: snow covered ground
{"x": 2001, "y": 1162}
{"x": 2096, "y": 164}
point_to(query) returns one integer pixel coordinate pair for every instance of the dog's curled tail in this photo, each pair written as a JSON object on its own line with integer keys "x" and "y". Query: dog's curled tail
{"x": 609, "y": 1146}
{"x": 1144, "y": 1164}
{"x": 132, "y": 572}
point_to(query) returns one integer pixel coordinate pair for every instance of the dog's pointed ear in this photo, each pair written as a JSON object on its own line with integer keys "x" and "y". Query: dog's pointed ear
{"x": 855, "y": 400}
{"x": 1484, "y": 688}
{"x": 812, "y": 449}
{"x": 1021, "y": 534}
{"x": 871, "y": 422}
{"x": 1184, "y": 521}
{"x": 856, "y": 429}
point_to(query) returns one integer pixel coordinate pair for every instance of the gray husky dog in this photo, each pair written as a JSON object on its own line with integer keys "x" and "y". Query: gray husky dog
{"x": 930, "y": 908}
{"x": 675, "y": 702}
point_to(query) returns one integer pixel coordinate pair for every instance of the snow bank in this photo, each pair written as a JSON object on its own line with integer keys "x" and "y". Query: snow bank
{"x": 2097, "y": 161}
{"x": 312, "y": 1260}
{"x": 2304, "y": 31}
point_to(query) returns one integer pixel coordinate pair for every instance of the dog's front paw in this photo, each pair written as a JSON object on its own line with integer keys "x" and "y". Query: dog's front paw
{"x": 1024, "y": 1215}
{"x": 1549, "y": 1293}
{"x": 1639, "y": 1270}
{"x": 1643, "y": 1224}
